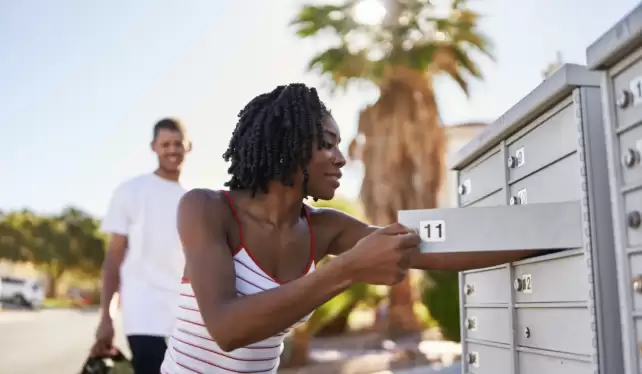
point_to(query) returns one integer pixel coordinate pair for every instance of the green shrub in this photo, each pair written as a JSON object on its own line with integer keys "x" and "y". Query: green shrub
{"x": 441, "y": 297}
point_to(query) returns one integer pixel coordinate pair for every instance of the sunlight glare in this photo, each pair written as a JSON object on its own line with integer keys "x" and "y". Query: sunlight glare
{"x": 369, "y": 12}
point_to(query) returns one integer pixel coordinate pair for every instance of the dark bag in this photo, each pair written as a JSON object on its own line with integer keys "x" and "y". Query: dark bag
{"x": 114, "y": 364}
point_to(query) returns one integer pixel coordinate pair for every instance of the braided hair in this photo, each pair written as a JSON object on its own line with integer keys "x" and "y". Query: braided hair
{"x": 274, "y": 138}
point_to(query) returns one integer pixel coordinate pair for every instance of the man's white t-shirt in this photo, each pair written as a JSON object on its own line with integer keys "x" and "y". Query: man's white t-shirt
{"x": 144, "y": 209}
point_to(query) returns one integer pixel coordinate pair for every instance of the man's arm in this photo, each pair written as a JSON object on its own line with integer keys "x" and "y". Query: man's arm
{"x": 351, "y": 230}
{"x": 116, "y": 223}
{"x": 234, "y": 321}
{"x": 114, "y": 258}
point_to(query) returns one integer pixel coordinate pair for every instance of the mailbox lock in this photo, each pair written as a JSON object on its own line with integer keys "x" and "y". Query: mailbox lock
{"x": 630, "y": 158}
{"x": 633, "y": 219}
{"x": 461, "y": 189}
{"x": 514, "y": 200}
{"x": 527, "y": 332}
{"x": 470, "y": 323}
{"x": 472, "y": 358}
{"x": 624, "y": 99}
{"x": 518, "y": 285}
{"x": 637, "y": 284}
{"x": 511, "y": 162}
{"x": 469, "y": 289}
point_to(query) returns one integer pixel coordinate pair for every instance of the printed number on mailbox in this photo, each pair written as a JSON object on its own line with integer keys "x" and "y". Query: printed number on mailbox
{"x": 432, "y": 231}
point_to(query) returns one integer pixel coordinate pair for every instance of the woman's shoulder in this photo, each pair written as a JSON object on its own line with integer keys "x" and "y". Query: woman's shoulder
{"x": 203, "y": 197}
{"x": 205, "y": 204}
{"x": 327, "y": 219}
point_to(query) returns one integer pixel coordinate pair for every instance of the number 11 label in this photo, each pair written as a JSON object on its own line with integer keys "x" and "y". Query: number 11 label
{"x": 432, "y": 231}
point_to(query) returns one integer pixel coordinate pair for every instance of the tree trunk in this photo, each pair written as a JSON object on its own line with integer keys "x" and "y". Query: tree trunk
{"x": 299, "y": 349}
{"x": 401, "y": 144}
{"x": 52, "y": 290}
{"x": 402, "y": 319}
{"x": 55, "y": 272}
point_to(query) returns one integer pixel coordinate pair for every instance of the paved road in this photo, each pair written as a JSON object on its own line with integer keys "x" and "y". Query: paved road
{"x": 57, "y": 342}
{"x": 46, "y": 341}
{"x": 455, "y": 368}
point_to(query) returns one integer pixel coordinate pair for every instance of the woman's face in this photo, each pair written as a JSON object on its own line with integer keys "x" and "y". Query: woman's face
{"x": 324, "y": 169}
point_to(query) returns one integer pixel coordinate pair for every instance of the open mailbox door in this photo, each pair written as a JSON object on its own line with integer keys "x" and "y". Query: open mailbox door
{"x": 546, "y": 226}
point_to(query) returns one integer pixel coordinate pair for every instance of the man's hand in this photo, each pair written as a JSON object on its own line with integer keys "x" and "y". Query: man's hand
{"x": 104, "y": 345}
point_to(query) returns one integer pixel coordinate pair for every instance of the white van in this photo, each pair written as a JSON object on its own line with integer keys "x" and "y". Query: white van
{"x": 21, "y": 291}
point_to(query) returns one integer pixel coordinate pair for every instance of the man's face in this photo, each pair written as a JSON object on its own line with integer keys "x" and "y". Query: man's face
{"x": 170, "y": 146}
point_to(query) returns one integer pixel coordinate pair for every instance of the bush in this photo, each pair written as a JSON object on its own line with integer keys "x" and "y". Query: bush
{"x": 64, "y": 303}
{"x": 441, "y": 297}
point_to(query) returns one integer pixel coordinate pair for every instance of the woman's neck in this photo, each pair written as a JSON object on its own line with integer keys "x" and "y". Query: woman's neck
{"x": 280, "y": 207}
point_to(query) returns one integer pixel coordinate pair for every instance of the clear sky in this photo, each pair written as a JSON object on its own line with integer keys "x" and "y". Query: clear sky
{"x": 82, "y": 82}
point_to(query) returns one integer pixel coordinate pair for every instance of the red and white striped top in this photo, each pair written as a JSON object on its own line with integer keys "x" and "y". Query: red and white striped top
{"x": 191, "y": 349}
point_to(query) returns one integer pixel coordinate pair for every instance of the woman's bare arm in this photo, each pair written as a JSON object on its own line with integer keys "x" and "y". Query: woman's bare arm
{"x": 234, "y": 321}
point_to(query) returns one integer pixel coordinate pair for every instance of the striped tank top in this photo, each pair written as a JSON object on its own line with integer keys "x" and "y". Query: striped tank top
{"x": 191, "y": 349}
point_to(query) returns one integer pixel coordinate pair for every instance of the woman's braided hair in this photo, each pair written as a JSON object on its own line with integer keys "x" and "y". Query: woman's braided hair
{"x": 274, "y": 138}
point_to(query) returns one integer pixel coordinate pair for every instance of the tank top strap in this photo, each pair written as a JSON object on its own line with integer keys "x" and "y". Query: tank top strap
{"x": 238, "y": 221}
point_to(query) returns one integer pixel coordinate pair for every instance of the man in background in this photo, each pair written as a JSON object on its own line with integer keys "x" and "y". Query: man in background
{"x": 144, "y": 260}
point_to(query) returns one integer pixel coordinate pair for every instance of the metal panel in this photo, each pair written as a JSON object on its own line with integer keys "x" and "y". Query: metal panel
{"x": 617, "y": 42}
{"x": 599, "y": 248}
{"x": 487, "y": 323}
{"x": 512, "y": 320}
{"x": 636, "y": 281}
{"x": 618, "y": 50}
{"x": 481, "y": 179}
{"x": 627, "y": 86}
{"x": 638, "y": 339}
{"x": 462, "y": 327}
{"x": 550, "y": 138}
{"x": 562, "y": 329}
{"x": 532, "y": 363}
{"x": 524, "y": 227}
{"x": 482, "y": 286}
{"x": 574, "y": 171}
{"x": 614, "y": 172}
{"x": 631, "y": 151}
{"x": 485, "y": 359}
{"x": 547, "y": 94}
{"x": 496, "y": 199}
{"x": 561, "y": 279}
{"x": 632, "y": 215}
{"x": 556, "y": 183}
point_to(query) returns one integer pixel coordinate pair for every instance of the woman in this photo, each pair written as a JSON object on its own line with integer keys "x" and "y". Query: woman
{"x": 251, "y": 252}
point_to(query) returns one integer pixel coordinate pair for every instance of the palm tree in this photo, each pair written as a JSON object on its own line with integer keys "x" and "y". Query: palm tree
{"x": 400, "y": 140}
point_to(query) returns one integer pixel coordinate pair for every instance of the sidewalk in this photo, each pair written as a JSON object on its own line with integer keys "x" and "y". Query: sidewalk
{"x": 455, "y": 368}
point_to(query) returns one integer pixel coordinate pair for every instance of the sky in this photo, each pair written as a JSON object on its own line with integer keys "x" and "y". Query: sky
{"x": 82, "y": 83}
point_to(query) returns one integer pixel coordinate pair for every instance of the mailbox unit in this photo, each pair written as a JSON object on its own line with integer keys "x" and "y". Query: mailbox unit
{"x": 549, "y": 148}
{"x": 536, "y": 178}
{"x": 618, "y": 56}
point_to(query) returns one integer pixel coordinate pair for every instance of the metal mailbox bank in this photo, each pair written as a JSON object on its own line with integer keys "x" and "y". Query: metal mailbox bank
{"x": 618, "y": 55}
{"x": 536, "y": 178}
